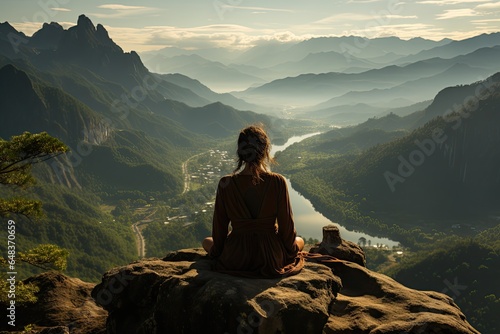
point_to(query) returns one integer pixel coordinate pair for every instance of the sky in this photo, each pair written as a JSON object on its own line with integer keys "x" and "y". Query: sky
{"x": 240, "y": 24}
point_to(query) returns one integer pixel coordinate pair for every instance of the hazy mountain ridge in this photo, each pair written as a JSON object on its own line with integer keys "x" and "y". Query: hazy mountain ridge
{"x": 456, "y": 48}
{"x": 323, "y": 62}
{"x": 205, "y": 92}
{"x": 97, "y": 53}
{"x": 329, "y": 72}
{"x": 115, "y": 120}
{"x": 274, "y": 53}
{"x": 218, "y": 76}
{"x": 350, "y": 88}
{"x": 455, "y": 153}
{"x": 273, "y": 60}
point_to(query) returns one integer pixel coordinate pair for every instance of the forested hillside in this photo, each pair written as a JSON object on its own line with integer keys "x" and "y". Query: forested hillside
{"x": 440, "y": 170}
{"x": 434, "y": 187}
{"x": 128, "y": 131}
{"x": 467, "y": 270}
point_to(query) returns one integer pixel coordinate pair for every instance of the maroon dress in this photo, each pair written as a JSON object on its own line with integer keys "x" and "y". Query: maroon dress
{"x": 262, "y": 240}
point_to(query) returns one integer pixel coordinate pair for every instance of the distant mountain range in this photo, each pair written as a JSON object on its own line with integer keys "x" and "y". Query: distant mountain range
{"x": 274, "y": 60}
{"x": 439, "y": 162}
{"x": 387, "y": 87}
{"x": 129, "y": 130}
{"x": 322, "y": 74}
{"x": 269, "y": 55}
{"x": 216, "y": 75}
{"x": 454, "y": 48}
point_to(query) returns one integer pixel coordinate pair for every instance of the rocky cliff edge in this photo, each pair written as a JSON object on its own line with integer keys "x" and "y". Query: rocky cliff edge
{"x": 180, "y": 294}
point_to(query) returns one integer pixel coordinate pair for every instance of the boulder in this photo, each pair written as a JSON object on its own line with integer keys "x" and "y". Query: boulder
{"x": 181, "y": 294}
{"x": 63, "y": 305}
{"x": 374, "y": 303}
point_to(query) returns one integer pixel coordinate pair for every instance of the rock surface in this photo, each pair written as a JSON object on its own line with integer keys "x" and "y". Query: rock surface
{"x": 64, "y": 305}
{"x": 180, "y": 294}
{"x": 373, "y": 303}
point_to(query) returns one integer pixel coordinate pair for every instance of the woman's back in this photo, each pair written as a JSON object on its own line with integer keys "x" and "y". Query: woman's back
{"x": 262, "y": 242}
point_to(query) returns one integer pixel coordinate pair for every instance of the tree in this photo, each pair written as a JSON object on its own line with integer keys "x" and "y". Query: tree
{"x": 17, "y": 157}
{"x": 362, "y": 241}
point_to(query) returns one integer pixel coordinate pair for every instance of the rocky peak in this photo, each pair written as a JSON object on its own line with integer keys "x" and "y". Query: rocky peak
{"x": 11, "y": 40}
{"x": 85, "y": 24}
{"x": 48, "y": 37}
{"x": 6, "y": 28}
{"x": 85, "y": 39}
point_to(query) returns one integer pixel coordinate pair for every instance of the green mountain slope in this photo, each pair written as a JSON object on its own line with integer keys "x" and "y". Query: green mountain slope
{"x": 127, "y": 141}
{"x": 434, "y": 186}
{"x": 467, "y": 271}
{"x": 105, "y": 164}
{"x": 444, "y": 170}
{"x": 74, "y": 221}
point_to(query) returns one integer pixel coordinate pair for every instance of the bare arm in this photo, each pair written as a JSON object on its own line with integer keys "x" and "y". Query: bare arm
{"x": 286, "y": 224}
{"x": 220, "y": 221}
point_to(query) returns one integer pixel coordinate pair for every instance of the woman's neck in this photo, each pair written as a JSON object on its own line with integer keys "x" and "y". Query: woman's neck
{"x": 247, "y": 170}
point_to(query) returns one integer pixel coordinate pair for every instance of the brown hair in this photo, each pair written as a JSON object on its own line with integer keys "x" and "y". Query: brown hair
{"x": 254, "y": 149}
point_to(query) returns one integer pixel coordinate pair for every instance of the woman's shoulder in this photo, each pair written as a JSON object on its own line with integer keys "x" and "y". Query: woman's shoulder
{"x": 225, "y": 180}
{"x": 276, "y": 176}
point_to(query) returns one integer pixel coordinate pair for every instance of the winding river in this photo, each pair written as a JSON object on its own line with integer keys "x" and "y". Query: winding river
{"x": 308, "y": 221}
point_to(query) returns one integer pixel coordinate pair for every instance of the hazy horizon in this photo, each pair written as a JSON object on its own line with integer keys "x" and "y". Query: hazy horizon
{"x": 238, "y": 24}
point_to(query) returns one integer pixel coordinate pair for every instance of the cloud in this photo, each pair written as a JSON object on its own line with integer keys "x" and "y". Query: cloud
{"x": 495, "y": 6}
{"x": 449, "y": 2}
{"x": 59, "y": 9}
{"x": 362, "y": 1}
{"x": 229, "y": 36}
{"x": 485, "y": 21}
{"x": 120, "y": 7}
{"x": 402, "y": 16}
{"x": 455, "y": 13}
{"x": 344, "y": 17}
{"x": 258, "y": 9}
{"x": 118, "y": 10}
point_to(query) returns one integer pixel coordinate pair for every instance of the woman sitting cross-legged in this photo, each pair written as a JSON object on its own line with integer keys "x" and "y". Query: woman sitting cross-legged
{"x": 255, "y": 201}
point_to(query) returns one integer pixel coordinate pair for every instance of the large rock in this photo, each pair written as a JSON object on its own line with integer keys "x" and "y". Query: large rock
{"x": 64, "y": 305}
{"x": 374, "y": 303}
{"x": 180, "y": 294}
